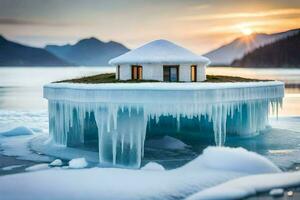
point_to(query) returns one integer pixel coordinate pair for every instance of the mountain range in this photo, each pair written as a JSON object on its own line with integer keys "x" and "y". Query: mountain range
{"x": 88, "y": 52}
{"x": 14, "y": 54}
{"x": 282, "y": 53}
{"x": 236, "y": 49}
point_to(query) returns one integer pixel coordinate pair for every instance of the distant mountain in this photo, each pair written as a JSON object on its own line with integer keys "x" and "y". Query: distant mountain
{"x": 88, "y": 52}
{"x": 14, "y": 54}
{"x": 240, "y": 46}
{"x": 282, "y": 53}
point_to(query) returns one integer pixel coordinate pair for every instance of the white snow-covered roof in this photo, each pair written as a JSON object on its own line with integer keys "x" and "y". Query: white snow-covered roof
{"x": 159, "y": 51}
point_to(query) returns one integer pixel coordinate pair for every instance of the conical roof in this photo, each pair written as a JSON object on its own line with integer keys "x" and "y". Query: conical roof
{"x": 159, "y": 51}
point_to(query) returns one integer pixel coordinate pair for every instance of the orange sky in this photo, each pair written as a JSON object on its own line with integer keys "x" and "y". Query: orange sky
{"x": 200, "y": 25}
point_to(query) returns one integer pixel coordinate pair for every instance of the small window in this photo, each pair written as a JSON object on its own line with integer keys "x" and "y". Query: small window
{"x": 171, "y": 73}
{"x": 136, "y": 72}
{"x": 118, "y": 72}
{"x": 194, "y": 73}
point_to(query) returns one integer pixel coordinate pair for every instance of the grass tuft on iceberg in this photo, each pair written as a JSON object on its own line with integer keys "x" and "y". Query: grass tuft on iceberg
{"x": 111, "y": 78}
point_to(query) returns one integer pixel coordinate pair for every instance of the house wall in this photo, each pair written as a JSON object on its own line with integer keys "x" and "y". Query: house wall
{"x": 184, "y": 72}
{"x": 125, "y": 72}
{"x": 155, "y": 72}
{"x": 201, "y": 72}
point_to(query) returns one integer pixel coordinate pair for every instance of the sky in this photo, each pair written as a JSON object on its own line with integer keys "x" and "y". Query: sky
{"x": 200, "y": 25}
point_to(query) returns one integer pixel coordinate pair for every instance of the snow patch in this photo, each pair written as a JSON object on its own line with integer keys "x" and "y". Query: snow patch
{"x": 37, "y": 167}
{"x": 153, "y": 166}
{"x": 11, "y": 167}
{"x": 78, "y": 163}
{"x": 225, "y": 158}
{"x": 56, "y": 162}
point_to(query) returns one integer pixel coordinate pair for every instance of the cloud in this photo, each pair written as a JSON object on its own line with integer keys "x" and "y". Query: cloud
{"x": 12, "y": 21}
{"x": 200, "y": 7}
{"x": 9, "y": 21}
{"x": 277, "y": 12}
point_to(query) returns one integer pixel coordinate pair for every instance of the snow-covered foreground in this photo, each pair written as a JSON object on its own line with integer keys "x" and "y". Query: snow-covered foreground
{"x": 218, "y": 173}
{"x": 215, "y": 166}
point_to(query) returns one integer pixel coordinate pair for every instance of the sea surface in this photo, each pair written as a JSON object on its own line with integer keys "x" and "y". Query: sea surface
{"x": 22, "y": 104}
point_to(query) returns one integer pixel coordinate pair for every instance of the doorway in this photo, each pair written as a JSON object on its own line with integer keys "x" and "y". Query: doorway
{"x": 171, "y": 73}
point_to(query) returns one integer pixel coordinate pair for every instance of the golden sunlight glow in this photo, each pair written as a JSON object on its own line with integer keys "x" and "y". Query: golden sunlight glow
{"x": 246, "y": 31}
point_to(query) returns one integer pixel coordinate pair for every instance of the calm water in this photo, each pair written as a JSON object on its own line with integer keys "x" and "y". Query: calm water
{"x": 21, "y": 103}
{"x": 22, "y": 88}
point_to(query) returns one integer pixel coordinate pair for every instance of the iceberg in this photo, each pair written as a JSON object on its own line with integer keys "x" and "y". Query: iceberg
{"x": 119, "y": 117}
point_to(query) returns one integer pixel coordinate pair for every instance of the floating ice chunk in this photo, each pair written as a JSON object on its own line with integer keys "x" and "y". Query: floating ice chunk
{"x": 153, "y": 166}
{"x": 56, "y": 163}
{"x": 276, "y": 192}
{"x": 290, "y": 193}
{"x": 78, "y": 163}
{"x": 21, "y": 130}
{"x": 11, "y": 167}
{"x": 237, "y": 159}
{"x": 37, "y": 167}
{"x": 166, "y": 142}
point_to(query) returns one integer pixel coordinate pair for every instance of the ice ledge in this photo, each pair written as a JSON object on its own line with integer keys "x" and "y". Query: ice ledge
{"x": 164, "y": 92}
{"x": 163, "y": 85}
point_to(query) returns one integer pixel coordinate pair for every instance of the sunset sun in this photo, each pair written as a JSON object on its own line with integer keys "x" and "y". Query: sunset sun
{"x": 247, "y": 31}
